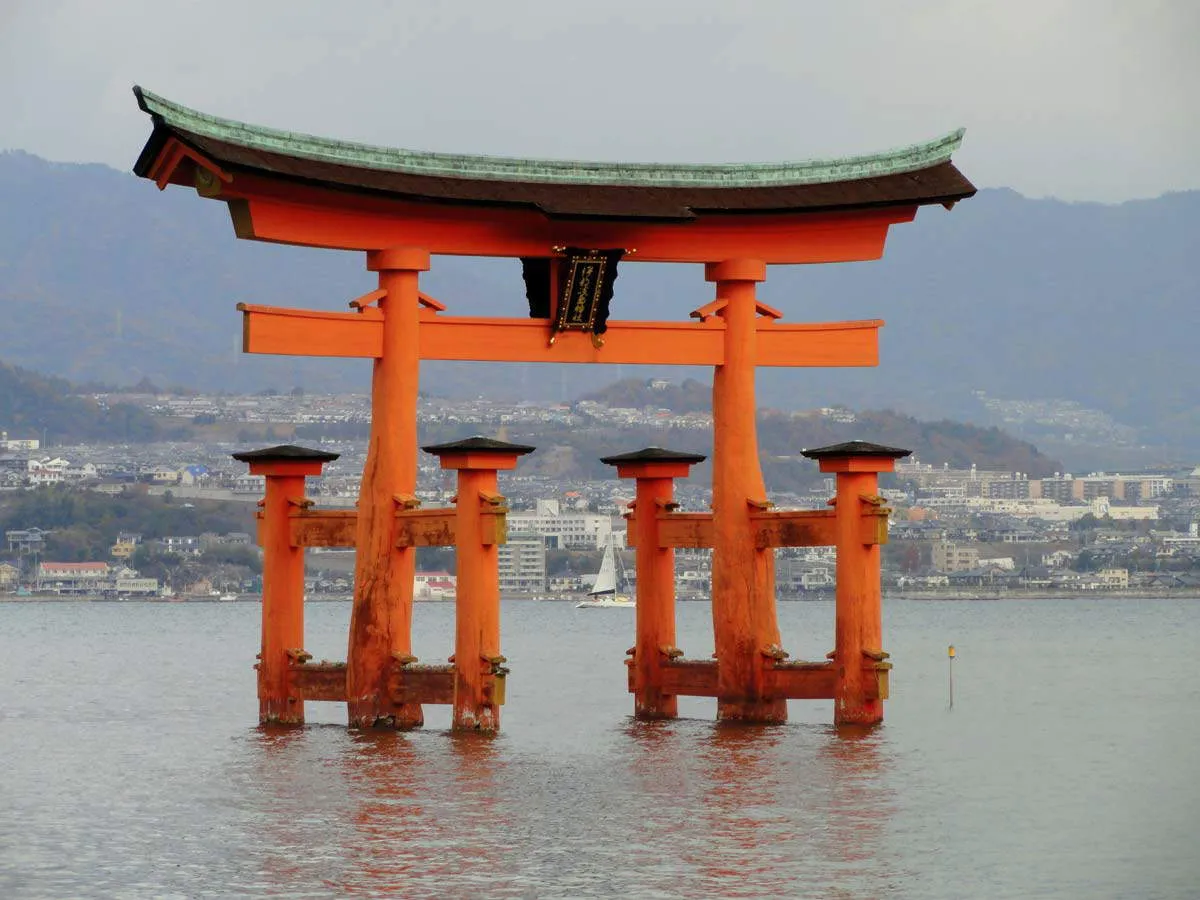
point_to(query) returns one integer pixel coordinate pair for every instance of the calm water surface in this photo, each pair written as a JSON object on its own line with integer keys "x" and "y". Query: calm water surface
{"x": 130, "y": 765}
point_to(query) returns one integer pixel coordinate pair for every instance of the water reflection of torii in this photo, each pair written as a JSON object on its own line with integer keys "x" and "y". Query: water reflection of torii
{"x": 402, "y": 207}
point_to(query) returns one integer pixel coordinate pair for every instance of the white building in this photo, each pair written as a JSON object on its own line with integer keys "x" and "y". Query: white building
{"x": 562, "y": 530}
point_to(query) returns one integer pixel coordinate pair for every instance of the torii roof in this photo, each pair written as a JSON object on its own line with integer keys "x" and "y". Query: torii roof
{"x": 909, "y": 176}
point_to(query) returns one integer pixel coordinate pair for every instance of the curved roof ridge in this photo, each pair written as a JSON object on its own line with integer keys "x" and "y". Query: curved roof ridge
{"x": 911, "y": 158}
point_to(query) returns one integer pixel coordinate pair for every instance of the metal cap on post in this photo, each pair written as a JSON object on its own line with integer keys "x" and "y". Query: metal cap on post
{"x": 478, "y": 453}
{"x": 653, "y": 462}
{"x": 856, "y": 456}
{"x": 286, "y": 459}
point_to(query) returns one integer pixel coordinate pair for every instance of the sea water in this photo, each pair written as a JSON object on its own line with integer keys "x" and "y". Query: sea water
{"x": 1069, "y": 766}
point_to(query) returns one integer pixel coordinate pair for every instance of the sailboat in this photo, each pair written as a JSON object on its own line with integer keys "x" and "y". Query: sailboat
{"x": 603, "y": 594}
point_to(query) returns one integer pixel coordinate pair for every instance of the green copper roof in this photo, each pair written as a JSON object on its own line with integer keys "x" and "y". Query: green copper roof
{"x": 565, "y": 172}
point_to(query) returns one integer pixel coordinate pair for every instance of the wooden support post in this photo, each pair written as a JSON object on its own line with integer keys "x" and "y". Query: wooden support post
{"x": 858, "y": 656}
{"x": 283, "y": 576}
{"x": 743, "y": 575}
{"x": 381, "y": 620}
{"x": 478, "y": 665}
{"x": 655, "y": 470}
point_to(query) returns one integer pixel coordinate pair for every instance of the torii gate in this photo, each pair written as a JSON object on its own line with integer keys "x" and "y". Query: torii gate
{"x": 401, "y": 208}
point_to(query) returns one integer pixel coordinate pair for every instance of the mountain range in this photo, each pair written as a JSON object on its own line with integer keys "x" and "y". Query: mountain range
{"x": 997, "y": 304}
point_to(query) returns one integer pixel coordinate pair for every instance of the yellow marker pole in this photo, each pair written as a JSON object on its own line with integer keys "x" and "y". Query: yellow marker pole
{"x": 950, "y": 654}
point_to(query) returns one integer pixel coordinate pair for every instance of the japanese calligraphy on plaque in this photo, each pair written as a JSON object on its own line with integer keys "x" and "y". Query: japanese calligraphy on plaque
{"x": 585, "y": 289}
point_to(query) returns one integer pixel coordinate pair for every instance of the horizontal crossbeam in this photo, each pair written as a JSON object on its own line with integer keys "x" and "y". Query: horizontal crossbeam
{"x": 317, "y": 681}
{"x": 772, "y": 528}
{"x": 407, "y": 683}
{"x": 436, "y": 528}
{"x": 425, "y": 528}
{"x": 793, "y": 528}
{"x": 316, "y": 217}
{"x": 323, "y": 527}
{"x": 422, "y": 684}
{"x": 414, "y": 527}
{"x": 786, "y": 680}
{"x": 301, "y": 332}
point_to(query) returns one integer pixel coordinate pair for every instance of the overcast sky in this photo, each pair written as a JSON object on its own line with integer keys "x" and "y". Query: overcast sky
{"x": 1079, "y": 99}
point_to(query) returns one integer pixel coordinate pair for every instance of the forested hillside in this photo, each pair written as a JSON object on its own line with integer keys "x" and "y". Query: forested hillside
{"x": 41, "y": 407}
{"x": 783, "y": 434}
{"x": 84, "y": 525}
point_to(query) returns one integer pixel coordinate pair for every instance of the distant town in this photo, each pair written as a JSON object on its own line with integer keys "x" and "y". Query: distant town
{"x": 961, "y": 532}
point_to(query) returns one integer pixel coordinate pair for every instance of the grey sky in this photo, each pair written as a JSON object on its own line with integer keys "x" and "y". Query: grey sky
{"x": 1080, "y": 99}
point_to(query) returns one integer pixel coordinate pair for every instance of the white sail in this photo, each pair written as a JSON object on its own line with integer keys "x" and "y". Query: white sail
{"x": 606, "y": 578}
{"x": 603, "y": 594}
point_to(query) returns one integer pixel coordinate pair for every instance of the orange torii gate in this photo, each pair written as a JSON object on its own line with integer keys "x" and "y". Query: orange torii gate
{"x": 567, "y": 222}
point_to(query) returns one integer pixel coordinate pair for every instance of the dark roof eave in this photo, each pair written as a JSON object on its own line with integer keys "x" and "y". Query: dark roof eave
{"x": 945, "y": 185}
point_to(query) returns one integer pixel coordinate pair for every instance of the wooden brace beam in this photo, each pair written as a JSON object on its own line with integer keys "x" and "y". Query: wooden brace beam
{"x": 317, "y": 681}
{"x": 422, "y": 684}
{"x": 425, "y": 527}
{"x": 789, "y": 680}
{"x": 793, "y": 528}
{"x": 323, "y": 527}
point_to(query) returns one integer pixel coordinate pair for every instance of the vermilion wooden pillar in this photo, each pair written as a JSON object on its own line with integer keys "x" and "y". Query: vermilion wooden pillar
{"x": 283, "y": 575}
{"x": 478, "y": 664}
{"x": 743, "y": 576}
{"x": 858, "y": 631}
{"x": 381, "y": 621}
{"x": 655, "y": 470}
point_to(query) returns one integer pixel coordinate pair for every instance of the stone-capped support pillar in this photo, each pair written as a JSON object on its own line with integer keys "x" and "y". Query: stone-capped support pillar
{"x": 860, "y": 526}
{"x": 743, "y": 575}
{"x": 283, "y": 575}
{"x": 655, "y": 470}
{"x": 381, "y": 620}
{"x": 478, "y": 665}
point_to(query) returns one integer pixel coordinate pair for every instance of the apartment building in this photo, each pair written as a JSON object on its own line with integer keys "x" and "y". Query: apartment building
{"x": 523, "y": 565}
{"x": 950, "y": 557}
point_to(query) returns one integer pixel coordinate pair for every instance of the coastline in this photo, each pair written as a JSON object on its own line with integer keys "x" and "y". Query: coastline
{"x": 1044, "y": 594}
{"x": 1012, "y": 594}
